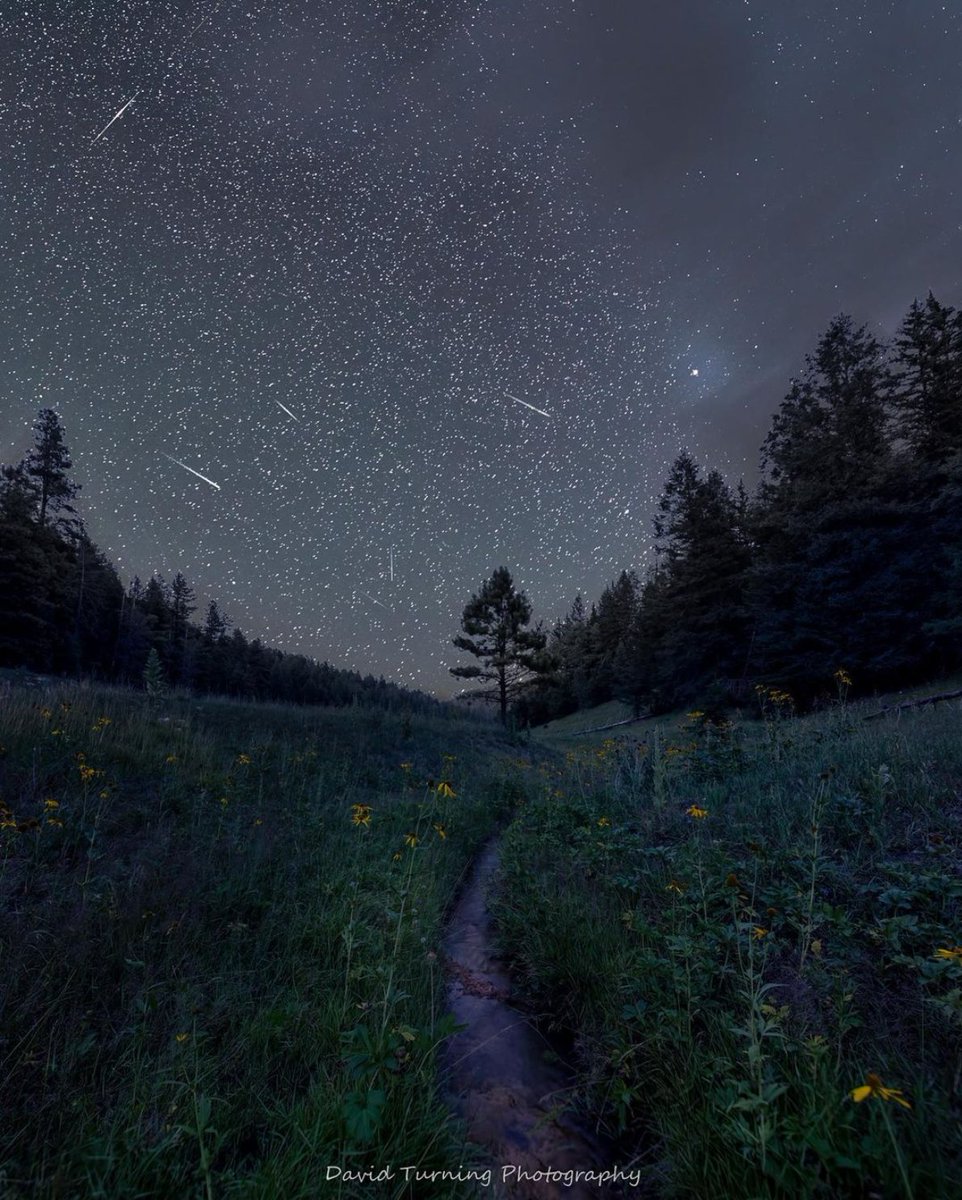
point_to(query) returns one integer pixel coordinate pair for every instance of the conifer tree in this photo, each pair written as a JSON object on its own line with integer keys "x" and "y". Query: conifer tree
{"x": 155, "y": 681}
{"x": 48, "y": 463}
{"x": 928, "y": 384}
{"x": 494, "y": 622}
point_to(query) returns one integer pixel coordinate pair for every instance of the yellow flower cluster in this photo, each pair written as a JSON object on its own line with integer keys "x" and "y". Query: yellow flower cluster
{"x": 696, "y": 812}
{"x": 361, "y": 814}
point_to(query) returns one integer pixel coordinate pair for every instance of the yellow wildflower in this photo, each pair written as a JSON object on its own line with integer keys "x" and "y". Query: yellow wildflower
{"x": 55, "y": 821}
{"x": 46, "y": 713}
{"x": 950, "y": 954}
{"x": 171, "y": 758}
{"x": 842, "y": 678}
{"x": 243, "y": 759}
{"x": 674, "y": 886}
{"x": 361, "y": 814}
{"x": 445, "y": 789}
{"x": 407, "y": 766}
{"x": 411, "y": 839}
{"x": 440, "y": 830}
{"x": 396, "y": 856}
{"x": 258, "y": 821}
{"x": 873, "y": 1086}
{"x": 181, "y": 1037}
{"x": 604, "y": 822}
{"x": 104, "y": 794}
{"x": 86, "y": 773}
{"x": 696, "y": 812}
{"x": 759, "y": 932}
{"x": 51, "y": 804}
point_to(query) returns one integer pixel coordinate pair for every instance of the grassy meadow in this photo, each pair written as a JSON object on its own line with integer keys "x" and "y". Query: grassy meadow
{"x": 218, "y": 932}
{"x": 756, "y": 938}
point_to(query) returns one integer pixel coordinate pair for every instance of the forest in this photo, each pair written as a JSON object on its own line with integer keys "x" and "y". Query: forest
{"x": 847, "y": 556}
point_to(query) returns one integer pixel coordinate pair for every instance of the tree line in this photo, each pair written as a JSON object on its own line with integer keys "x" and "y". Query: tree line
{"x": 847, "y": 557}
{"x": 64, "y": 610}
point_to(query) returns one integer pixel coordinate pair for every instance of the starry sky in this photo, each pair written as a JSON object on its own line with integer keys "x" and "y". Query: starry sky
{"x": 330, "y": 252}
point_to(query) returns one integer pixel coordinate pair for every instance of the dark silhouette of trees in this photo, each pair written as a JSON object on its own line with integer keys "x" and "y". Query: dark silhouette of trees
{"x": 494, "y": 623}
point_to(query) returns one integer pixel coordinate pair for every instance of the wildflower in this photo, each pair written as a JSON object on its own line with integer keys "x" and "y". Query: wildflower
{"x": 181, "y": 1037}
{"x": 258, "y": 821}
{"x": 407, "y": 767}
{"x": 104, "y": 794}
{"x": 873, "y": 1086}
{"x": 100, "y": 724}
{"x": 55, "y": 821}
{"x": 86, "y": 773}
{"x": 604, "y": 822}
{"x": 445, "y": 789}
{"x": 731, "y": 880}
{"x": 674, "y": 886}
{"x": 396, "y": 856}
{"x": 224, "y": 801}
{"x": 361, "y": 814}
{"x": 46, "y": 713}
{"x": 440, "y": 830}
{"x": 411, "y": 839}
{"x": 842, "y": 678}
{"x": 696, "y": 812}
{"x": 7, "y": 819}
{"x": 694, "y": 716}
{"x": 51, "y": 804}
{"x": 449, "y": 758}
{"x": 244, "y": 759}
{"x": 64, "y": 706}
{"x": 817, "y": 947}
{"x": 56, "y": 733}
{"x": 759, "y": 932}
{"x": 171, "y": 758}
{"x": 950, "y": 954}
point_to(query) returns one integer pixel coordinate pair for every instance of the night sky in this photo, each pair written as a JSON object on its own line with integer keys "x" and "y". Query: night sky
{"x": 329, "y": 240}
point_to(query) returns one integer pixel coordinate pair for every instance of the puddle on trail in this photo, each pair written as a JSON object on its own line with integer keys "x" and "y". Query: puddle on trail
{"x": 510, "y": 1097}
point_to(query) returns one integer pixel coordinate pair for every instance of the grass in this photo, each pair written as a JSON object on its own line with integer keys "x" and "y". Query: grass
{"x": 220, "y": 931}
{"x": 748, "y": 922}
{"x": 219, "y": 940}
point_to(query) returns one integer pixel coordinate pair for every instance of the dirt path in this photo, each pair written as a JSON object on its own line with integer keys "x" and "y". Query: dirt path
{"x": 511, "y": 1098}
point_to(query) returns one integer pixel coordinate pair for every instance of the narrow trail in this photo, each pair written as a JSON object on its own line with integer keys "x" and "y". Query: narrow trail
{"x": 511, "y": 1099}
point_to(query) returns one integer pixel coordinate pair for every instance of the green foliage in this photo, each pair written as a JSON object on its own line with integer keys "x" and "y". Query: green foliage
{"x": 773, "y": 911}
{"x": 215, "y": 981}
{"x": 155, "y": 681}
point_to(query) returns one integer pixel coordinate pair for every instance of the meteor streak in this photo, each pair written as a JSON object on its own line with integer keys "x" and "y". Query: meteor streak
{"x": 286, "y": 409}
{"x": 117, "y": 115}
{"x": 527, "y": 405}
{"x": 373, "y": 600}
{"x": 192, "y": 471}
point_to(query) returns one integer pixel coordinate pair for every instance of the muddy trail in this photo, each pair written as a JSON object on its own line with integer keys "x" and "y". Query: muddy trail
{"x": 504, "y": 1080}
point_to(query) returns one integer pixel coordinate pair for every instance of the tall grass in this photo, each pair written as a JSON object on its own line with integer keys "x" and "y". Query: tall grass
{"x": 755, "y": 932}
{"x": 219, "y": 936}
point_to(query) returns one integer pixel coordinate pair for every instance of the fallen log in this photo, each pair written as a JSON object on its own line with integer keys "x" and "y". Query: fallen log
{"x": 616, "y": 725}
{"x": 894, "y": 708}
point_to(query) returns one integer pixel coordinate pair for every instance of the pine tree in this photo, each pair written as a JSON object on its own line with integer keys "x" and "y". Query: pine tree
{"x": 48, "y": 463}
{"x": 155, "y": 681}
{"x": 494, "y": 623}
{"x": 928, "y": 387}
